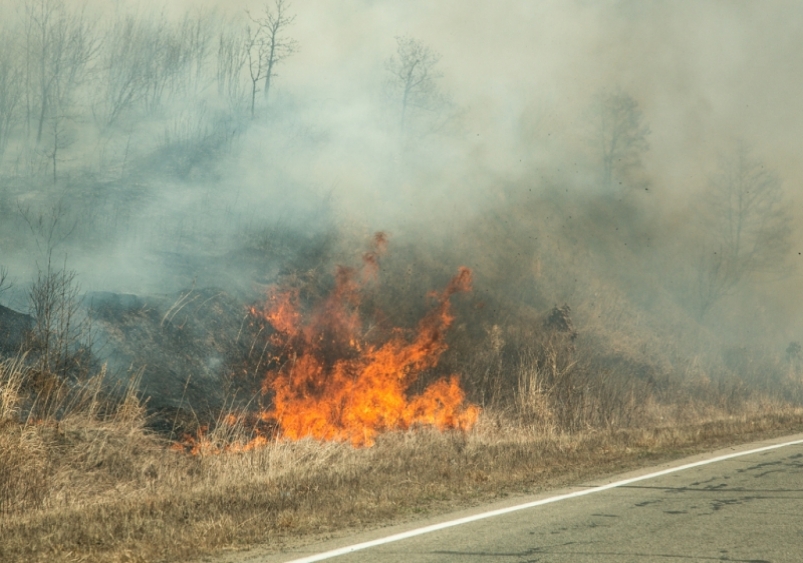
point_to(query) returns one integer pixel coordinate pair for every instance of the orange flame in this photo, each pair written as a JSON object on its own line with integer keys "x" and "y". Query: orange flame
{"x": 330, "y": 383}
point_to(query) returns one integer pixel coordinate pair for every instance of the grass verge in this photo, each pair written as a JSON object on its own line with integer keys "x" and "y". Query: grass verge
{"x": 96, "y": 486}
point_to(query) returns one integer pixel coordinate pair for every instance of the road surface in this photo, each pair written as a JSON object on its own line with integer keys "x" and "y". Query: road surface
{"x": 746, "y": 508}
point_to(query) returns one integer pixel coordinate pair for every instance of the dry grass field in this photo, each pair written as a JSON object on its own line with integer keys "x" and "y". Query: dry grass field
{"x": 82, "y": 479}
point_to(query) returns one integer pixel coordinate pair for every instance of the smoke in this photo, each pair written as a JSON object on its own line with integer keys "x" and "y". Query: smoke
{"x": 171, "y": 193}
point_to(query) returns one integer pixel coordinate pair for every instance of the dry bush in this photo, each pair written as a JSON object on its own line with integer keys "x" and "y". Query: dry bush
{"x": 23, "y": 456}
{"x": 11, "y": 380}
{"x": 547, "y": 379}
{"x": 50, "y": 441}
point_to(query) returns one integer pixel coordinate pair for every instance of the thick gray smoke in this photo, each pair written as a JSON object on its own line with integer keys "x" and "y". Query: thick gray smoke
{"x": 171, "y": 186}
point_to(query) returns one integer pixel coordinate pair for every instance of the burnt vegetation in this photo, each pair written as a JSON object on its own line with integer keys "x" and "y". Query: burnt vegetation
{"x": 163, "y": 177}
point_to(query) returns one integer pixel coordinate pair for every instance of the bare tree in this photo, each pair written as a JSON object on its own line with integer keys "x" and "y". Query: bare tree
{"x": 5, "y": 284}
{"x": 266, "y": 46}
{"x": 618, "y": 135}
{"x": 161, "y": 56}
{"x": 10, "y": 90}
{"x": 231, "y": 58}
{"x": 61, "y": 137}
{"x": 172, "y": 57}
{"x": 59, "y": 46}
{"x": 54, "y": 294}
{"x": 413, "y": 81}
{"x": 54, "y": 299}
{"x": 273, "y": 25}
{"x": 123, "y": 70}
{"x": 50, "y": 228}
{"x": 196, "y": 37}
{"x": 255, "y": 54}
{"x": 748, "y": 226}
{"x": 146, "y": 61}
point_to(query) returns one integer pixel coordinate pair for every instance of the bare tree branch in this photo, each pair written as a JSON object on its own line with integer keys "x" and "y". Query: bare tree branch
{"x": 748, "y": 226}
{"x": 278, "y": 47}
{"x": 413, "y": 81}
{"x": 266, "y": 46}
{"x": 618, "y": 135}
{"x": 256, "y": 63}
{"x": 48, "y": 228}
{"x": 5, "y": 284}
{"x": 232, "y": 55}
{"x": 11, "y": 89}
{"x": 59, "y": 46}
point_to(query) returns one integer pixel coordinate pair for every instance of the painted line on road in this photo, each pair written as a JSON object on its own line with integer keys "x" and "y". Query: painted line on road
{"x": 490, "y": 514}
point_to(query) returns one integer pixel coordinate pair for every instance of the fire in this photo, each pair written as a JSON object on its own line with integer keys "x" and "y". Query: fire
{"x": 330, "y": 382}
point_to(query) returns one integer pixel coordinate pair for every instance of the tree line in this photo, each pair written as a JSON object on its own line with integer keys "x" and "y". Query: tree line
{"x": 63, "y": 72}
{"x": 743, "y": 219}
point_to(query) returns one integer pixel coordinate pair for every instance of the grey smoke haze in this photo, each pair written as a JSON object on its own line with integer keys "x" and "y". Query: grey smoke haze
{"x": 521, "y": 76}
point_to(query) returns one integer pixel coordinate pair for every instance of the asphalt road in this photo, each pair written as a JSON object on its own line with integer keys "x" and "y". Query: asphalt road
{"x": 748, "y": 508}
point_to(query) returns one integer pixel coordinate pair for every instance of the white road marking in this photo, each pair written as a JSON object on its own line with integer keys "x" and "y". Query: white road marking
{"x": 509, "y": 509}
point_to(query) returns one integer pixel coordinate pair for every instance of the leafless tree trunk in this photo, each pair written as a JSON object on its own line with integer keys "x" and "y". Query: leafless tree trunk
{"x": 748, "y": 227}
{"x": 231, "y": 57}
{"x": 196, "y": 37}
{"x": 59, "y": 48}
{"x": 255, "y": 49}
{"x": 62, "y": 139}
{"x": 273, "y": 26}
{"x": 5, "y": 285}
{"x": 618, "y": 135}
{"x": 413, "y": 80}
{"x": 123, "y": 77}
{"x": 54, "y": 295}
{"x": 266, "y": 46}
{"x": 10, "y": 90}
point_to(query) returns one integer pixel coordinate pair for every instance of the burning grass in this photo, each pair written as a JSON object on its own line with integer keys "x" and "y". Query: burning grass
{"x": 330, "y": 382}
{"x": 333, "y": 376}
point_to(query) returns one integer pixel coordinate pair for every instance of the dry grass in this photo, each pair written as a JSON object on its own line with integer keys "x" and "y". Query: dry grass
{"x": 93, "y": 485}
